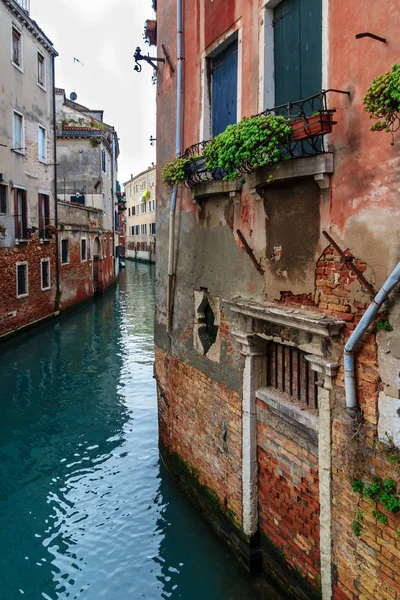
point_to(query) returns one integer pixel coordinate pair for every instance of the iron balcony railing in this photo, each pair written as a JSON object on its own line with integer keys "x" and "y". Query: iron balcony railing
{"x": 310, "y": 120}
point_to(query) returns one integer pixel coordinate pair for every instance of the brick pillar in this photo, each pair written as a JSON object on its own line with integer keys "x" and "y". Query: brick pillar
{"x": 254, "y": 376}
{"x": 326, "y": 372}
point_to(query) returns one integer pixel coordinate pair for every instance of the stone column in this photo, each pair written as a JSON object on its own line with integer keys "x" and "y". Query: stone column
{"x": 326, "y": 372}
{"x": 254, "y": 376}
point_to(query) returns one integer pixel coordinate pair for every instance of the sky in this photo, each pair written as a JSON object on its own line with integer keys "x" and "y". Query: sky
{"x": 103, "y": 35}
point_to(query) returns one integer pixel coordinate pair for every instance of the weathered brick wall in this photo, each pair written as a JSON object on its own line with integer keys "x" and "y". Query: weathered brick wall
{"x": 289, "y": 492}
{"x": 200, "y": 420}
{"x": 19, "y": 312}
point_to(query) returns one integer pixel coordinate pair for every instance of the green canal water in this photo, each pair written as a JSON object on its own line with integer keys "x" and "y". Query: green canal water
{"x": 86, "y": 508}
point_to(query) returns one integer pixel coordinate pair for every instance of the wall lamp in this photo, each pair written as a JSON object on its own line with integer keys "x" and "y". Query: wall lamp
{"x": 151, "y": 60}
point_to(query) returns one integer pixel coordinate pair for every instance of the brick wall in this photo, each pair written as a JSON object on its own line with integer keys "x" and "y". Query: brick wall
{"x": 289, "y": 492}
{"x": 19, "y": 312}
{"x": 200, "y": 420}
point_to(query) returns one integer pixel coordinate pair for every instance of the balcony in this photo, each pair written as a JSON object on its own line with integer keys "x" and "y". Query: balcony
{"x": 308, "y": 120}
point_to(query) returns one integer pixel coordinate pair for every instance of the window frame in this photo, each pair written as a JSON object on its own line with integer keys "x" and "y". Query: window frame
{"x": 20, "y": 264}
{"x": 42, "y": 85}
{"x": 44, "y": 158}
{"x": 84, "y": 239}
{"x": 45, "y": 260}
{"x": 20, "y": 220}
{"x": 67, "y": 262}
{"x": 43, "y": 216}
{"x": 4, "y": 188}
{"x": 20, "y": 67}
{"x": 21, "y": 149}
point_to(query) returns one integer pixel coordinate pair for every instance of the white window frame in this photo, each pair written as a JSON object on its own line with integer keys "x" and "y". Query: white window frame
{"x": 43, "y": 260}
{"x": 86, "y": 253}
{"x": 44, "y": 158}
{"x": 61, "y": 261}
{"x": 19, "y": 264}
{"x": 213, "y": 50}
{"x": 41, "y": 85}
{"x": 22, "y": 147}
{"x": 21, "y": 66}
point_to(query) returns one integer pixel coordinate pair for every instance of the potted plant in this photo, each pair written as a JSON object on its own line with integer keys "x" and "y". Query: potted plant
{"x": 174, "y": 172}
{"x": 319, "y": 123}
{"x": 150, "y": 32}
{"x": 382, "y": 101}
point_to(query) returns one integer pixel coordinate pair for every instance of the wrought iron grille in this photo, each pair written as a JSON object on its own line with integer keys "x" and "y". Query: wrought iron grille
{"x": 299, "y": 110}
{"x": 290, "y": 373}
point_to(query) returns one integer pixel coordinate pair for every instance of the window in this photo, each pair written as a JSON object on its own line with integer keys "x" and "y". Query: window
{"x": 64, "y": 252}
{"x": 22, "y": 279}
{"x": 45, "y": 273}
{"x": 44, "y": 215}
{"x": 41, "y": 72}
{"x": 143, "y": 207}
{"x": 153, "y": 205}
{"x": 297, "y": 32}
{"x": 224, "y": 84}
{"x": 42, "y": 144}
{"x": 129, "y": 212}
{"x": 133, "y": 211}
{"x": 143, "y": 229}
{"x": 16, "y": 50}
{"x": 149, "y": 205}
{"x": 103, "y": 161}
{"x": 3, "y": 200}
{"x": 104, "y": 204}
{"x": 83, "y": 250}
{"x": 18, "y": 132}
{"x": 21, "y": 215}
{"x": 152, "y": 228}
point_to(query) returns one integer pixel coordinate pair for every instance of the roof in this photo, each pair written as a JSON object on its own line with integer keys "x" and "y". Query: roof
{"x": 140, "y": 175}
{"x": 31, "y": 25}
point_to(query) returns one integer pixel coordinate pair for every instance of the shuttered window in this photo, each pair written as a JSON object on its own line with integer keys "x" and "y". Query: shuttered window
{"x": 224, "y": 81}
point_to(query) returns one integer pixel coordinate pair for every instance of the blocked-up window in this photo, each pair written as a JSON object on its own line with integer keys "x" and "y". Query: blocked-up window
{"x": 22, "y": 279}
{"x": 290, "y": 373}
{"x": 64, "y": 252}
{"x": 45, "y": 273}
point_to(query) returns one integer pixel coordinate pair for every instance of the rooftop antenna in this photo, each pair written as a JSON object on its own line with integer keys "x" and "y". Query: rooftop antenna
{"x": 74, "y": 95}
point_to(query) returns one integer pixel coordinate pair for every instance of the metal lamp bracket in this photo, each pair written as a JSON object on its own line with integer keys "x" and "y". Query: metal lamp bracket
{"x": 151, "y": 60}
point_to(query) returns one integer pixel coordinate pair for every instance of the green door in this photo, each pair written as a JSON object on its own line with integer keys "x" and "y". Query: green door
{"x": 298, "y": 50}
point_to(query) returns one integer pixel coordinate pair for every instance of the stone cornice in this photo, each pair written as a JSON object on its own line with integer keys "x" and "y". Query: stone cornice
{"x": 24, "y": 18}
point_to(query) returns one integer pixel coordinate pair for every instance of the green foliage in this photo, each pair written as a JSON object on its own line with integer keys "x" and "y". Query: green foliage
{"x": 379, "y": 516}
{"x": 247, "y": 145}
{"x": 380, "y": 491}
{"x": 94, "y": 142}
{"x": 356, "y": 527}
{"x": 382, "y": 101}
{"x": 358, "y": 486}
{"x": 174, "y": 172}
{"x": 360, "y": 515}
{"x": 383, "y": 325}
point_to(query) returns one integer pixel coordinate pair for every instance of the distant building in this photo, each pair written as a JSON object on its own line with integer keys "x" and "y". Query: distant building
{"x": 121, "y": 220}
{"x": 87, "y": 153}
{"x": 140, "y": 193}
{"x": 28, "y": 270}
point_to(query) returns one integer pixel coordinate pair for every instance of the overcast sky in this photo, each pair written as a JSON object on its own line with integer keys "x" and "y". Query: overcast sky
{"x": 103, "y": 35}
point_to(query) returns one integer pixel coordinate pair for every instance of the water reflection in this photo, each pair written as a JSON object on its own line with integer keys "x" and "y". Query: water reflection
{"x": 86, "y": 510}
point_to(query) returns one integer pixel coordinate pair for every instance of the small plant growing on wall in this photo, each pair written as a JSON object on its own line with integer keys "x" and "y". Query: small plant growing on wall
{"x": 382, "y": 492}
{"x": 382, "y": 101}
{"x": 3, "y": 230}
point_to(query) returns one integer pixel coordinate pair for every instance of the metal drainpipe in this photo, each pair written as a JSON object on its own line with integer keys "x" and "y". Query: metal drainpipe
{"x": 179, "y": 94}
{"x": 57, "y": 299}
{"x": 369, "y": 316}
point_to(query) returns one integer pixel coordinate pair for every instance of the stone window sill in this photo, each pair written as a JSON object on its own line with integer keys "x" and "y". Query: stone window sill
{"x": 216, "y": 188}
{"x": 291, "y": 412}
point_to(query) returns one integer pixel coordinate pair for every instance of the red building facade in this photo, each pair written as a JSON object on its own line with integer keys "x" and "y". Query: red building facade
{"x": 251, "y": 327}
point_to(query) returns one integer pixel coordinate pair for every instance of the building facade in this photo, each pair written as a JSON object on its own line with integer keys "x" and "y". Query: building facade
{"x": 140, "y": 216}
{"x": 28, "y": 268}
{"x": 87, "y": 155}
{"x": 269, "y": 275}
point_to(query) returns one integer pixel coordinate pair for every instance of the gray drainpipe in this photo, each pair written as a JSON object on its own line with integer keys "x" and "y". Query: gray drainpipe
{"x": 179, "y": 93}
{"x": 369, "y": 316}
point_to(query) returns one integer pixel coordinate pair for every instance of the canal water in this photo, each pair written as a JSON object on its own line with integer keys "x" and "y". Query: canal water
{"x": 86, "y": 508}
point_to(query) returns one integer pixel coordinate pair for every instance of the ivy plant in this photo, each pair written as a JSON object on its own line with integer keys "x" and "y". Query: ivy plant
{"x": 382, "y": 101}
{"x": 380, "y": 491}
{"x": 247, "y": 145}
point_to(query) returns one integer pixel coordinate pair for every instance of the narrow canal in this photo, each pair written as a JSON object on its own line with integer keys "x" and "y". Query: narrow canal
{"x": 86, "y": 509}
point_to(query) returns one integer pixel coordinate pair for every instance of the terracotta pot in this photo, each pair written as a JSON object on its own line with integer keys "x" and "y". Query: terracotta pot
{"x": 319, "y": 124}
{"x": 150, "y": 31}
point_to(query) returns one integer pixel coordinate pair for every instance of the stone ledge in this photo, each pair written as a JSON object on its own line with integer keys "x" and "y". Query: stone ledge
{"x": 290, "y": 412}
{"x": 319, "y": 166}
{"x": 296, "y": 318}
{"x": 216, "y": 188}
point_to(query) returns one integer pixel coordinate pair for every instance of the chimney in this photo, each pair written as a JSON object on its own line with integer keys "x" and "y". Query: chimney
{"x": 131, "y": 176}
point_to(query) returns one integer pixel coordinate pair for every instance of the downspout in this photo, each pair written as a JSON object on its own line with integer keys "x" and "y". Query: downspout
{"x": 369, "y": 316}
{"x": 179, "y": 94}
{"x": 57, "y": 299}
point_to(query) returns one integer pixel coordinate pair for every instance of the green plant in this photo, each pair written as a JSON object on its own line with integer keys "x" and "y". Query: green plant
{"x": 247, "y": 145}
{"x": 380, "y": 491}
{"x": 383, "y": 325}
{"x": 94, "y": 142}
{"x": 382, "y": 101}
{"x": 173, "y": 173}
{"x": 356, "y": 527}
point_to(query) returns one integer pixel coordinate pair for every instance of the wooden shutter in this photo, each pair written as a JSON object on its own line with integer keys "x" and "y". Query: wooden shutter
{"x": 224, "y": 70}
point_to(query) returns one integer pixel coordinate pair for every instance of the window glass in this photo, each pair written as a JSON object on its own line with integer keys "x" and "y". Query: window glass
{"x": 3, "y": 200}
{"x": 45, "y": 274}
{"x": 42, "y": 144}
{"x": 64, "y": 252}
{"x": 18, "y": 131}
{"x": 40, "y": 69}
{"x": 22, "y": 280}
{"x": 21, "y": 217}
{"x": 44, "y": 215}
{"x": 16, "y": 47}
{"x": 83, "y": 250}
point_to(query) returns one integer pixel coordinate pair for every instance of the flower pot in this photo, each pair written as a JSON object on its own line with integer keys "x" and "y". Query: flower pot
{"x": 318, "y": 124}
{"x": 150, "y": 32}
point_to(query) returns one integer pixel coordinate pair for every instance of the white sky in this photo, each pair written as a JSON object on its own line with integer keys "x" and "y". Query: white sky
{"x": 103, "y": 34}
